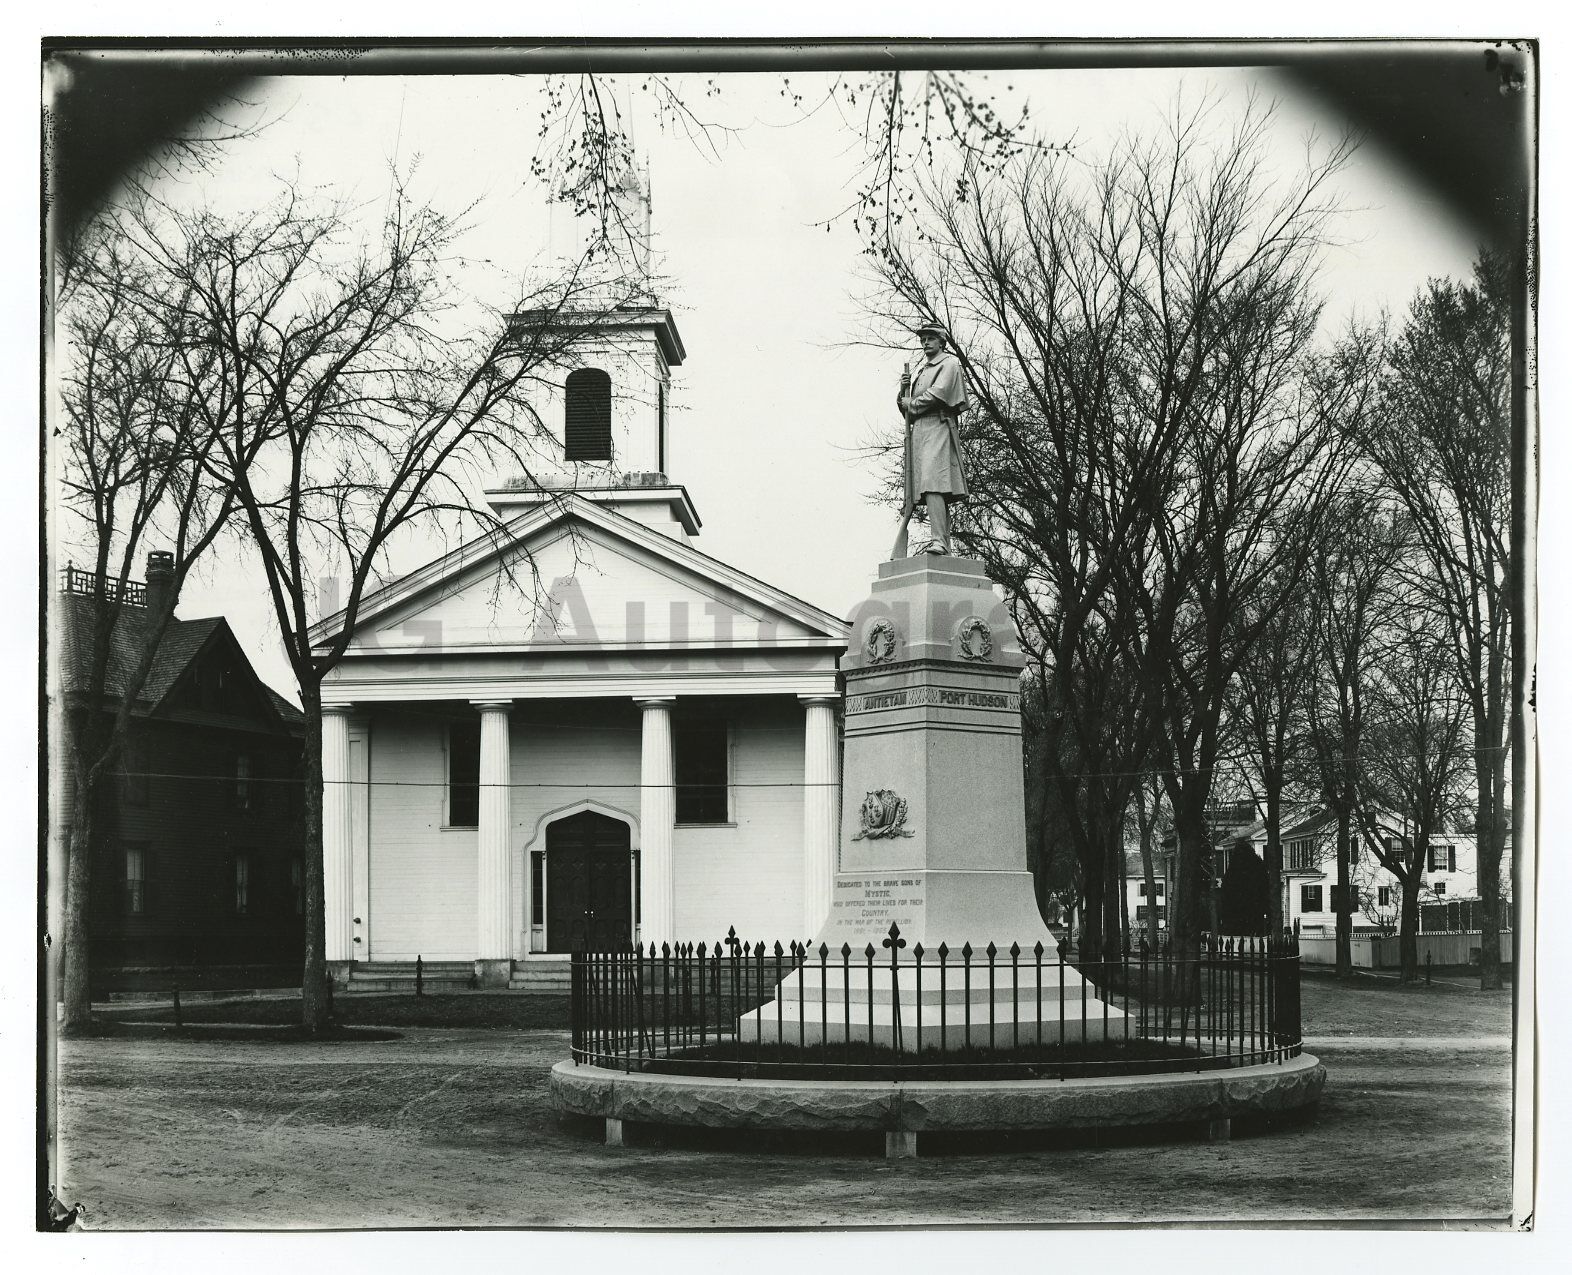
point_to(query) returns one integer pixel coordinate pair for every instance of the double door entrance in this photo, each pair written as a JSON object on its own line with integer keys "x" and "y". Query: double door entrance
{"x": 589, "y": 883}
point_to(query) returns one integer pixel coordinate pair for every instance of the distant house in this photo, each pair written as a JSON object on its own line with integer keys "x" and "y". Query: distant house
{"x": 1448, "y": 897}
{"x": 198, "y": 858}
{"x": 1137, "y": 900}
{"x": 1310, "y": 876}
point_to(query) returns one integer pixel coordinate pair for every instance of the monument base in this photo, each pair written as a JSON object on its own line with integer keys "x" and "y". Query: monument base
{"x": 953, "y": 906}
{"x": 1016, "y": 1003}
{"x": 933, "y": 838}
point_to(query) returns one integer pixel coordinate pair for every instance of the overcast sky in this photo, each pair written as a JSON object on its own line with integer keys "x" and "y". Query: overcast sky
{"x": 775, "y": 392}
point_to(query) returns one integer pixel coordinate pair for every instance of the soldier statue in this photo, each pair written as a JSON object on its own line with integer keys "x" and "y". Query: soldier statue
{"x": 931, "y": 399}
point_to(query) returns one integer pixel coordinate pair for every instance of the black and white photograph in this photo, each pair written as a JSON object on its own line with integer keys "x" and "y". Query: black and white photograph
{"x": 799, "y": 635}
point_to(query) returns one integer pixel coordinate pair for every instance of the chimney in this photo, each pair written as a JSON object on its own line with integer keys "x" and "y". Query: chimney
{"x": 160, "y": 580}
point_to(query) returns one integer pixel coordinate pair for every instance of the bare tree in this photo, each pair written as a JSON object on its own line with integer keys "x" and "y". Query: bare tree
{"x": 1415, "y": 762}
{"x": 1352, "y": 586}
{"x": 1034, "y": 269}
{"x": 1268, "y": 706}
{"x": 1148, "y": 806}
{"x": 1147, "y": 443}
{"x": 906, "y": 121}
{"x": 1050, "y": 851}
{"x": 355, "y": 397}
{"x": 1442, "y": 445}
{"x": 1252, "y": 480}
{"x": 131, "y": 451}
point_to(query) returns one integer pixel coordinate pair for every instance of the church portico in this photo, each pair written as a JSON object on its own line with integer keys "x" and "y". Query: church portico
{"x": 464, "y": 850}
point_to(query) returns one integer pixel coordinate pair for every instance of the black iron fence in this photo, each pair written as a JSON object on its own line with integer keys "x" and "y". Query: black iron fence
{"x": 752, "y": 1009}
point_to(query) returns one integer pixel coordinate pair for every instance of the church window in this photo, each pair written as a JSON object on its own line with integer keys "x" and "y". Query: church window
{"x": 587, "y": 429}
{"x": 242, "y": 781}
{"x": 243, "y": 883}
{"x": 136, "y": 879}
{"x": 702, "y": 772}
{"x": 464, "y": 774}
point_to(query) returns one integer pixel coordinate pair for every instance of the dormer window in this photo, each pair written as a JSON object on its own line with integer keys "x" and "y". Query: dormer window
{"x": 587, "y": 429}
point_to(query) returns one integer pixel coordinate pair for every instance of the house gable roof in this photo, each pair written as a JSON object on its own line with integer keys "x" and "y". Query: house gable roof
{"x": 1314, "y": 823}
{"x": 181, "y": 648}
{"x": 606, "y": 580}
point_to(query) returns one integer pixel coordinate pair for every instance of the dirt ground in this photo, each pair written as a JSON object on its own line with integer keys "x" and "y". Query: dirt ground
{"x": 453, "y": 1127}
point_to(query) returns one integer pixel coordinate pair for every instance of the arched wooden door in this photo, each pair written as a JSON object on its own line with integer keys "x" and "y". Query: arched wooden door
{"x": 589, "y": 884}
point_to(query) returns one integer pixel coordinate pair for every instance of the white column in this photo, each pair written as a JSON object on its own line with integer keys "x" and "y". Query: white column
{"x": 338, "y": 864}
{"x": 821, "y": 779}
{"x": 657, "y": 819}
{"x": 494, "y": 919}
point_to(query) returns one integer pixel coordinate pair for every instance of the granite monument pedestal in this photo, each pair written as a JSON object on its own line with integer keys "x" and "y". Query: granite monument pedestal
{"x": 933, "y": 833}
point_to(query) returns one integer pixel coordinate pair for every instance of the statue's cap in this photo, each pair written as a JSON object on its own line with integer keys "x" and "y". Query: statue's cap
{"x": 938, "y": 329}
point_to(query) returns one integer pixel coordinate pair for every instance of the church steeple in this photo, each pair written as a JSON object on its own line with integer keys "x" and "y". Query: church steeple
{"x": 603, "y": 222}
{"x": 610, "y": 413}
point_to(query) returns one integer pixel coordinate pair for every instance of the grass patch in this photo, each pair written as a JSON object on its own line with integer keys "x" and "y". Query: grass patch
{"x": 498, "y": 1010}
{"x": 292, "y": 1033}
{"x": 159, "y": 979}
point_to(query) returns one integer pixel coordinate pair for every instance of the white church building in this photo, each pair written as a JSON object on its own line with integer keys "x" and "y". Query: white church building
{"x": 585, "y": 731}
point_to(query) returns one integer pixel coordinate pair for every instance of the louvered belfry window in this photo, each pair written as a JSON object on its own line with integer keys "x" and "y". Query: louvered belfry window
{"x": 587, "y": 434}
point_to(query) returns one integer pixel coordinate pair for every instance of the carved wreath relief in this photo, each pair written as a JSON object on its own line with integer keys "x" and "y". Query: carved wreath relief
{"x": 974, "y": 637}
{"x": 883, "y": 814}
{"x": 879, "y": 644}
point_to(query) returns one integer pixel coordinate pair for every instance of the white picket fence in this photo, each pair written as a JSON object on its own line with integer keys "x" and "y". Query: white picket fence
{"x": 1381, "y": 952}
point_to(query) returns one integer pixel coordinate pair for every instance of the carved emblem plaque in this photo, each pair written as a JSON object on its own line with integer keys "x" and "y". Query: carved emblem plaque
{"x": 879, "y": 644}
{"x": 974, "y": 639}
{"x": 883, "y": 815}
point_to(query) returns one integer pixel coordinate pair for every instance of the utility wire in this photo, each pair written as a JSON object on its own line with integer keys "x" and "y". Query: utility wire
{"x": 614, "y": 783}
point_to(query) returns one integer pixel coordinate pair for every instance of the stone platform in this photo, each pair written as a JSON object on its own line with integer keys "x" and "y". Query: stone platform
{"x": 902, "y": 1110}
{"x": 1050, "y": 1003}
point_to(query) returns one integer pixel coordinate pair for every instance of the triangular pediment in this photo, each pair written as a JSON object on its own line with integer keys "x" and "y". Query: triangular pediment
{"x": 579, "y": 576}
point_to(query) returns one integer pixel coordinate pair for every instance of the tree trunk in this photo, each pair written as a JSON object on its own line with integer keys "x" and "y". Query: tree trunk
{"x": 1093, "y": 887}
{"x": 1344, "y": 914}
{"x": 1512, "y": 686}
{"x": 314, "y": 1002}
{"x": 1408, "y": 930}
{"x": 76, "y": 923}
{"x": 1188, "y": 908}
{"x": 1274, "y": 860}
{"x": 1344, "y": 922}
{"x": 1489, "y": 843}
{"x": 1044, "y": 878}
{"x": 1116, "y": 909}
{"x": 1148, "y": 821}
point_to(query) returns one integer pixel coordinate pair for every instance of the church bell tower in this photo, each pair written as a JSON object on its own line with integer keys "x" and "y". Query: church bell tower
{"x": 608, "y": 408}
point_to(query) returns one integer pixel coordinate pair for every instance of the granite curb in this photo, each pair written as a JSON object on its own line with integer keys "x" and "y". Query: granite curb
{"x": 868, "y": 1105}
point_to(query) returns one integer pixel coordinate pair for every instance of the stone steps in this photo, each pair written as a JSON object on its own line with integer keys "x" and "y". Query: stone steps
{"x": 550, "y": 974}
{"x": 538, "y": 974}
{"x": 399, "y": 976}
